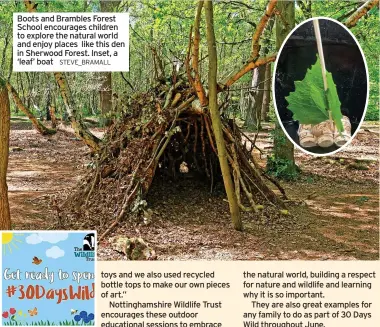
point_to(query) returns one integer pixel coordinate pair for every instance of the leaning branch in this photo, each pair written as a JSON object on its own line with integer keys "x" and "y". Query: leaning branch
{"x": 254, "y": 60}
{"x": 250, "y": 65}
{"x": 353, "y": 19}
{"x": 81, "y": 130}
{"x": 261, "y": 27}
{"x": 41, "y": 128}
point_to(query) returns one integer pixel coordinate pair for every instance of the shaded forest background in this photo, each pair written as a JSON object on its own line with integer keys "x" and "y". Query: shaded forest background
{"x": 117, "y": 105}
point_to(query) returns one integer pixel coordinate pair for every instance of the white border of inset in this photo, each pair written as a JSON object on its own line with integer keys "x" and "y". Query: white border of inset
{"x": 274, "y": 89}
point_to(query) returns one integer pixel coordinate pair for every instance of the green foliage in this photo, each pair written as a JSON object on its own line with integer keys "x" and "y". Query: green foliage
{"x": 309, "y": 180}
{"x": 372, "y": 111}
{"x": 309, "y": 101}
{"x": 165, "y": 25}
{"x": 361, "y": 200}
{"x": 279, "y": 168}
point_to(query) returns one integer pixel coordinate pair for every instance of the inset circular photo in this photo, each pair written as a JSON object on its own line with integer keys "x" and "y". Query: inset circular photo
{"x": 320, "y": 86}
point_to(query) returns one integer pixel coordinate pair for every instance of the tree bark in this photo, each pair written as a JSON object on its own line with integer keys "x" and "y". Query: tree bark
{"x": 283, "y": 147}
{"x": 5, "y": 218}
{"x": 255, "y": 98}
{"x": 195, "y": 58}
{"x": 105, "y": 92}
{"x": 215, "y": 118}
{"x": 354, "y": 18}
{"x": 105, "y": 97}
{"x": 266, "y": 96}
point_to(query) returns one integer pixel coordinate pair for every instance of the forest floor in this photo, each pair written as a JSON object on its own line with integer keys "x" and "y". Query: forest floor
{"x": 334, "y": 214}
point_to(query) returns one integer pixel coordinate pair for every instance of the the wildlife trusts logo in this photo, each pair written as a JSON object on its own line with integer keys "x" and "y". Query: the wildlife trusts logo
{"x": 88, "y": 248}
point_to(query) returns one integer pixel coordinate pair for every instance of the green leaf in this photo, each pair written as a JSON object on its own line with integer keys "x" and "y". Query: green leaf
{"x": 309, "y": 102}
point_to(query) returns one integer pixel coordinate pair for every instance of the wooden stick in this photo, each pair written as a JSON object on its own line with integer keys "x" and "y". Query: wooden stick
{"x": 318, "y": 38}
{"x": 198, "y": 86}
{"x": 255, "y": 48}
{"x": 320, "y": 51}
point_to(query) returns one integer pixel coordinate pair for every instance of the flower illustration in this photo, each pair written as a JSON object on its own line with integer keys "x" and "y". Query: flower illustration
{"x": 83, "y": 314}
{"x": 5, "y": 314}
{"x": 12, "y": 311}
{"x": 86, "y": 318}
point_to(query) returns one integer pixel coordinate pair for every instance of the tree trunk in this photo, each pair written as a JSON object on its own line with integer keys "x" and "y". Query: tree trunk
{"x": 266, "y": 96}
{"x": 81, "y": 130}
{"x": 215, "y": 118}
{"x": 48, "y": 105}
{"x": 105, "y": 97}
{"x": 105, "y": 92}
{"x": 41, "y": 128}
{"x": 283, "y": 147}
{"x": 255, "y": 99}
{"x": 6, "y": 43}
{"x": 5, "y": 218}
{"x": 53, "y": 117}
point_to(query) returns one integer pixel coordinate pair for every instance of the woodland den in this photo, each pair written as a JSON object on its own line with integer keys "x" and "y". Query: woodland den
{"x": 183, "y": 157}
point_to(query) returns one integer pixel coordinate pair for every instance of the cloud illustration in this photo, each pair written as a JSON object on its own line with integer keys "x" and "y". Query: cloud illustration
{"x": 52, "y": 238}
{"x": 33, "y": 239}
{"x": 55, "y": 252}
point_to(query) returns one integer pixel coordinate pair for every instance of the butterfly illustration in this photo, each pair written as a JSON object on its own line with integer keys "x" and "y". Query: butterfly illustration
{"x": 36, "y": 261}
{"x": 33, "y": 312}
{"x": 73, "y": 311}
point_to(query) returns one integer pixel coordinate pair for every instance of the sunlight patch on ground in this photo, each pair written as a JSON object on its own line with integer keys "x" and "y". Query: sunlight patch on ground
{"x": 330, "y": 234}
{"x": 361, "y": 207}
{"x": 29, "y": 173}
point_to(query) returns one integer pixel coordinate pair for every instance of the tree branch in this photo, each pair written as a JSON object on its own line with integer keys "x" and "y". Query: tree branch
{"x": 126, "y": 81}
{"x": 195, "y": 57}
{"x": 260, "y": 28}
{"x": 353, "y": 19}
{"x": 250, "y": 65}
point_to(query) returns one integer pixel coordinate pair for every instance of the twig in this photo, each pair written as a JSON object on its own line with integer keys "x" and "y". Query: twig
{"x": 126, "y": 81}
{"x": 96, "y": 179}
{"x": 209, "y": 134}
{"x": 120, "y": 216}
{"x": 127, "y": 199}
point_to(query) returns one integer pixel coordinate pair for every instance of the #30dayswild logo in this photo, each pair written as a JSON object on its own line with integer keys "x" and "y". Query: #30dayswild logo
{"x": 87, "y": 250}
